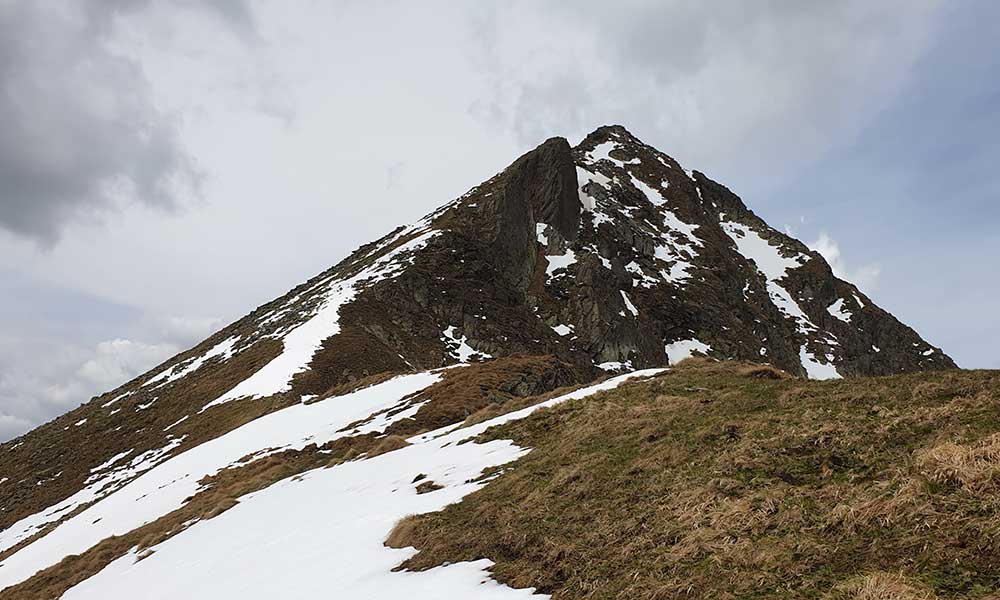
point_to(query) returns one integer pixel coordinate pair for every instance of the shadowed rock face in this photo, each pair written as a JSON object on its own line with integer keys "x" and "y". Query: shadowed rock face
{"x": 543, "y": 182}
{"x": 540, "y": 187}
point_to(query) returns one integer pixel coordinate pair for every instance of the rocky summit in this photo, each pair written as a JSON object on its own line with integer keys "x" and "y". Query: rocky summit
{"x": 609, "y": 255}
{"x": 570, "y": 272}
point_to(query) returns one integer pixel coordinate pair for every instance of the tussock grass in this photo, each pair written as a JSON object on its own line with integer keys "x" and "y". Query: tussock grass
{"x": 973, "y": 466}
{"x": 764, "y": 372}
{"x": 717, "y": 480}
{"x": 402, "y": 533}
{"x": 887, "y": 586}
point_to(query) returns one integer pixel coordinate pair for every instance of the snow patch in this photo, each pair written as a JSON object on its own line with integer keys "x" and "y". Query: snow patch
{"x": 603, "y": 150}
{"x": 176, "y": 423}
{"x": 640, "y": 279}
{"x": 628, "y": 305}
{"x": 652, "y": 194}
{"x": 563, "y": 330}
{"x": 559, "y": 261}
{"x": 97, "y": 486}
{"x": 816, "y": 369}
{"x": 615, "y": 366}
{"x": 679, "y": 350}
{"x": 774, "y": 266}
{"x": 752, "y": 246}
{"x": 679, "y": 270}
{"x": 837, "y": 310}
{"x": 166, "y": 486}
{"x": 116, "y": 399}
{"x": 223, "y": 349}
{"x": 685, "y": 229}
{"x": 111, "y": 461}
{"x": 458, "y": 345}
{"x": 540, "y": 234}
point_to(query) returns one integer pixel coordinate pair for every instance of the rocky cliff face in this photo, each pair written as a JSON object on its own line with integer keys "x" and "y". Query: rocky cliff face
{"x": 604, "y": 257}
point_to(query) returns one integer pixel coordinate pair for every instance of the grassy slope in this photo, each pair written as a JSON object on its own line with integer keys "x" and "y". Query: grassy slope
{"x": 719, "y": 481}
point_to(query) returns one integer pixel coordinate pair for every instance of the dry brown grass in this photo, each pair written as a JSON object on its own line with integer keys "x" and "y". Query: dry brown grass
{"x": 389, "y": 443}
{"x": 492, "y": 387}
{"x": 402, "y": 534}
{"x": 968, "y": 465}
{"x": 887, "y": 586}
{"x": 710, "y": 482}
{"x": 764, "y": 372}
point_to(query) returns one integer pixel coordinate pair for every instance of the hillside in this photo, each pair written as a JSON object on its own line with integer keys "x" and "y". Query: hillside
{"x": 708, "y": 480}
{"x": 570, "y": 266}
{"x": 720, "y": 480}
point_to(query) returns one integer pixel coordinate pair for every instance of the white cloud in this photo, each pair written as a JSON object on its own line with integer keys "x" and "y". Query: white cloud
{"x": 732, "y": 91}
{"x": 865, "y": 276}
{"x": 117, "y": 361}
{"x": 11, "y": 426}
{"x": 184, "y": 330}
{"x": 728, "y": 87}
{"x": 42, "y": 378}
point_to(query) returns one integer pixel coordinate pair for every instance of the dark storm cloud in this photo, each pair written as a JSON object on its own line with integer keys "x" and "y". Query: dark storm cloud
{"x": 81, "y": 133}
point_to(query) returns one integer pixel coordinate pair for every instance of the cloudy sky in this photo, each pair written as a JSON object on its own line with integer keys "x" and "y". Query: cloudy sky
{"x": 166, "y": 166}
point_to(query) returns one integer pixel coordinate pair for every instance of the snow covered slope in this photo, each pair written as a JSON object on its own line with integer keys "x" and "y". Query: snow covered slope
{"x": 321, "y": 530}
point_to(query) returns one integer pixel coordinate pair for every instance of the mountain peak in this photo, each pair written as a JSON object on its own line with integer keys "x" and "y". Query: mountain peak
{"x": 573, "y": 262}
{"x": 612, "y": 131}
